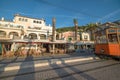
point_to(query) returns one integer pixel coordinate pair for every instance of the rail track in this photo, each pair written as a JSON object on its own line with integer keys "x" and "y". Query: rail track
{"x": 66, "y": 66}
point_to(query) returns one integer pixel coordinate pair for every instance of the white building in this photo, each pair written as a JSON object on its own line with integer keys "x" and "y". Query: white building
{"x": 24, "y": 27}
{"x": 85, "y": 36}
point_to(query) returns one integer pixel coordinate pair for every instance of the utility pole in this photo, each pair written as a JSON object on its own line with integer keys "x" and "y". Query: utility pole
{"x": 76, "y": 27}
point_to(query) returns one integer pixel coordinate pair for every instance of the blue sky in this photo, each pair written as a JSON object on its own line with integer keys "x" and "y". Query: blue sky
{"x": 85, "y": 11}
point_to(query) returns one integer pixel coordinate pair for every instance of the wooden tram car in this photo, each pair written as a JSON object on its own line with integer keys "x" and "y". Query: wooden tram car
{"x": 107, "y": 42}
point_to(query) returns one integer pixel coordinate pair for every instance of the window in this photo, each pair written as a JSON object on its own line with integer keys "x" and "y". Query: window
{"x": 40, "y": 22}
{"x": 112, "y": 38}
{"x": 25, "y": 20}
{"x": 101, "y": 39}
{"x": 119, "y": 37}
{"x": 19, "y": 19}
{"x": 11, "y": 25}
{"x": 34, "y": 21}
{"x": 85, "y": 37}
{"x": 37, "y": 21}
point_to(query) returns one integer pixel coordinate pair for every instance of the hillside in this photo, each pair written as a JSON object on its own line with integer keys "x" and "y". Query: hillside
{"x": 64, "y": 29}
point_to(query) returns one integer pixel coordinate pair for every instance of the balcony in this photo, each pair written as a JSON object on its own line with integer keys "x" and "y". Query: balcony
{"x": 37, "y": 28}
{"x": 10, "y": 26}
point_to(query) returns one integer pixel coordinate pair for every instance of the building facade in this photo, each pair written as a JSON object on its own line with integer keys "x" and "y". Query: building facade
{"x": 23, "y": 27}
{"x": 70, "y": 35}
{"x": 85, "y": 36}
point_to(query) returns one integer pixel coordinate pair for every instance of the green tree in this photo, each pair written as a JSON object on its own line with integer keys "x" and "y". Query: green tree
{"x": 81, "y": 30}
{"x": 91, "y": 27}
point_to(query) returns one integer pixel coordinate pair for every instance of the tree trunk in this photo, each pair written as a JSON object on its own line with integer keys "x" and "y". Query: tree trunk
{"x": 76, "y": 28}
{"x": 53, "y": 29}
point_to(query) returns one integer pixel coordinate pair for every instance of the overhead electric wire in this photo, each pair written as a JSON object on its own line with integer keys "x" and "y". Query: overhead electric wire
{"x": 109, "y": 15}
{"x": 68, "y": 9}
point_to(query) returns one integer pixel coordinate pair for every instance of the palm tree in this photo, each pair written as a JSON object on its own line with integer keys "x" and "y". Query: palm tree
{"x": 91, "y": 27}
{"x": 53, "y": 28}
{"x": 76, "y": 27}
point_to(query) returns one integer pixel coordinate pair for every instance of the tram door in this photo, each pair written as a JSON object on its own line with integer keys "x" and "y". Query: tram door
{"x": 114, "y": 44}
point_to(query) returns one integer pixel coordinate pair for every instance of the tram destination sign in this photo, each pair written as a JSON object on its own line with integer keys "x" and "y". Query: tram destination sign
{"x": 112, "y": 30}
{"x": 118, "y": 30}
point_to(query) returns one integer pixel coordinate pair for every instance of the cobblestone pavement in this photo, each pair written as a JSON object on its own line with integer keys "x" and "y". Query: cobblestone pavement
{"x": 45, "y": 57}
{"x": 27, "y": 62}
{"x": 85, "y": 70}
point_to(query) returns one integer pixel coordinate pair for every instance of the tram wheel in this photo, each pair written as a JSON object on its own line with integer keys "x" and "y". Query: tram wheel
{"x": 106, "y": 57}
{"x": 100, "y": 56}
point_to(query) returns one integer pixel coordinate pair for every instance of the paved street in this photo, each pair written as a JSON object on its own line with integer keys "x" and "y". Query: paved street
{"x": 93, "y": 69}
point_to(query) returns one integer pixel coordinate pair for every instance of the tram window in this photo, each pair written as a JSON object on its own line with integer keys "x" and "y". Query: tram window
{"x": 119, "y": 38}
{"x": 112, "y": 38}
{"x": 101, "y": 39}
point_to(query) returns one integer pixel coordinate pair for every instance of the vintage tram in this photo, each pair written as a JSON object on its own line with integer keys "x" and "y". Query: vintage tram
{"x": 107, "y": 42}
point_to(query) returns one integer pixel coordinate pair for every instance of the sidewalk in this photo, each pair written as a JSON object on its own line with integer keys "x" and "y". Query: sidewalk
{"x": 27, "y": 62}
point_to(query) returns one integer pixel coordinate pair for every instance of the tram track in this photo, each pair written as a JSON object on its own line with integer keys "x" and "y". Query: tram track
{"x": 80, "y": 72}
{"x": 46, "y": 58}
{"x": 12, "y": 61}
{"x": 66, "y": 66}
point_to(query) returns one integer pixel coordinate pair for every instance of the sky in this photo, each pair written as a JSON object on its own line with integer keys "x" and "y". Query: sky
{"x": 85, "y": 11}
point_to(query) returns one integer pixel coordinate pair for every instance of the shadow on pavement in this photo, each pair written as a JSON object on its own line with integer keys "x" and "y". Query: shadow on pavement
{"x": 5, "y": 65}
{"x": 24, "y": 70}
{"x": 60, "y": 72}
{"x": 82, "y": 74}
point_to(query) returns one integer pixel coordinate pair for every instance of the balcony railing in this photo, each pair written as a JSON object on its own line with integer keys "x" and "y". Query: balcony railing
{"x": 10, "y": 26}
{"x": 37, "y": 28}
{"x": 4, "y": 38}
